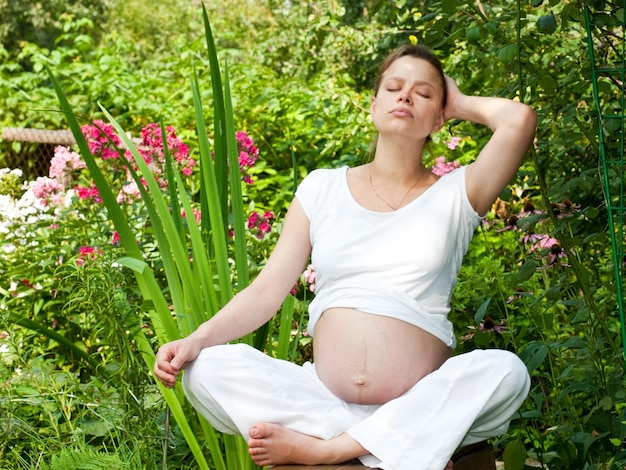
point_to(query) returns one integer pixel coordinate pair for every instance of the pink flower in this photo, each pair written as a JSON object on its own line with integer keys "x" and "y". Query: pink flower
{"x": 86, "y": 253}
{"x": 248, "y": 155}
{"x": 47, "y": 190}
{"x": 129, "y": 193}
{"x": 441, "y": 167}
{"x": 453, "y": 142}
{"x": 259, "y": 225}
{"x": 197, "y": 215}
{"x": 64, "y": 161}
{"x": 294, "y": 289}
{"x": 253, "y": 220}
{"x": 102, "y": 139}
{"x": 153, "y": 150}
{"x": 546, "y": 245}
{"x": 309, "y": 276}
{"x": 115, "y": 239}
{"x": 85, "y": 193}
{"x": 488, "y": 325}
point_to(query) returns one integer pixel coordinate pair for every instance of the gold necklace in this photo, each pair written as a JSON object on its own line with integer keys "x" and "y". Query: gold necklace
{"x": 369, "y": 168}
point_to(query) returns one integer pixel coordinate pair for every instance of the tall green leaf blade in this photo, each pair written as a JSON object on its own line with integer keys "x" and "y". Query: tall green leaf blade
{"x": 220, "y": 139}
{"x": 202, "y": 267}
{"x": 284, "y": 329}
{"x": 212, "y": 199}
{"x": 241, "y": 253}
{"x": 171, "y": 185}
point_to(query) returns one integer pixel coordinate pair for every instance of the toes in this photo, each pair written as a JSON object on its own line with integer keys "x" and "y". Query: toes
{"x": 259, "y": 431}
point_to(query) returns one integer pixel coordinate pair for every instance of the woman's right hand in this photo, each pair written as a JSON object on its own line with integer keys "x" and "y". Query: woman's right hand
{"x": 172, "y": 358}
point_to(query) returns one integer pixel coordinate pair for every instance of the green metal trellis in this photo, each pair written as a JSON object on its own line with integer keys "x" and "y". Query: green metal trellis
{"x": 606, "y": 40}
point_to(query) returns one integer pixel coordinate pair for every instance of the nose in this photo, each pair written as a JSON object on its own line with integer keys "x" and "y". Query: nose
{"x": 404, "y": 98}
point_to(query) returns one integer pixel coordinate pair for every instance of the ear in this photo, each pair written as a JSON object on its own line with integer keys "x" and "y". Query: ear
{"x": 373, "y": 104}
{"x": 440, "y": 122}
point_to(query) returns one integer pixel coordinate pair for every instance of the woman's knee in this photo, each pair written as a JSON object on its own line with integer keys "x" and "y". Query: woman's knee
{"x": 211, "y": 364}
{"x": 514, "y": 373}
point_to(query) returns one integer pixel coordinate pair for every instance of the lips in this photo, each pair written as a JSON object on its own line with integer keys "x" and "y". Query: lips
{"x": 401, "y": 112}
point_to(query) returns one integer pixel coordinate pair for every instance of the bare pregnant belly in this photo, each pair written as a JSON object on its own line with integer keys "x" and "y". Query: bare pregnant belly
{"x": 371, "y": 359}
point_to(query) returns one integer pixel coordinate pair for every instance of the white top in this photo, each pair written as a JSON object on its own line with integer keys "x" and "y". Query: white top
{"x": 401, "y": 264}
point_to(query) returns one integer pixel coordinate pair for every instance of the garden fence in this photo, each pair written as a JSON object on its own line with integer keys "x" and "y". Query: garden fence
{"x": 606, "y": 29}
{"x": 31, "y": 150}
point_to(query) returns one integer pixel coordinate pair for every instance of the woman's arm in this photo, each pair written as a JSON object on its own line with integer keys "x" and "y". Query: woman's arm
{"x": 251, "y": 307}
{"x": 513, "y": 125}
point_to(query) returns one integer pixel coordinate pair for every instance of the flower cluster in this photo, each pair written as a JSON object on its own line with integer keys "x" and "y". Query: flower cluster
{"x": 64, "y": 162}
{"x": 48, "y": 190}
{"x": 545, "y": 246}
{"x": 541, "y": 244}
{"x": 454, "y": 142}
{"x": 441, "y": 166}
{"x": 91, "y": 193}
{"x": 51, "y": 190}
{"x": 152, "y": 149}
{"x": 259, "y": 224}
{"x": 102, "y": 139}
{"x": 104, "y": 143}
{"x": 87, "y": 253}
{"x": 248, "y": 155}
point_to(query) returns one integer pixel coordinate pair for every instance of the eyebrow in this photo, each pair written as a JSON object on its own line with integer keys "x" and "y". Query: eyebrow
{"x": 418, "y": 82}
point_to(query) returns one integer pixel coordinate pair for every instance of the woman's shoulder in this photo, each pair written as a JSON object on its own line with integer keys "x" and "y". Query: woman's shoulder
{"x": 327, "y": 172}
{"x": 321, "y": 176}
{"x": 318, "y": 187}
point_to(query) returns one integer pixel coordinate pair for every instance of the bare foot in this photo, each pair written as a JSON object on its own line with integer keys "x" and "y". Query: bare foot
{"x": 273, "y": 444}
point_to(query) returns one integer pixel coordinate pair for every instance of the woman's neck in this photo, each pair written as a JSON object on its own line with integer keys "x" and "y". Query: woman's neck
{"x": 398, "y": 161}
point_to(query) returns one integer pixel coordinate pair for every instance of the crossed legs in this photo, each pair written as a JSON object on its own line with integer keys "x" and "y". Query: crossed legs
{"x": 290, "y": 417}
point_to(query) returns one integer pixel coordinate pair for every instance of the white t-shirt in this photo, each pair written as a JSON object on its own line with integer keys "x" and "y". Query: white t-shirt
{"x": 401, "y": 264}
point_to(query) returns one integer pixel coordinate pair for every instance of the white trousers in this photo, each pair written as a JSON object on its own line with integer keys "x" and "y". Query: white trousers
{"x": 470, "y": 398}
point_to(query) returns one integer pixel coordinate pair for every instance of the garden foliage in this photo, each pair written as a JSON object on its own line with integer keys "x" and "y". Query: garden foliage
{"x": 127, "y": 243}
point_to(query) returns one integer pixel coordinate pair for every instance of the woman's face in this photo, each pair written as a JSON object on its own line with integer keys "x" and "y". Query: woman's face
{"x": 408, "y": 101}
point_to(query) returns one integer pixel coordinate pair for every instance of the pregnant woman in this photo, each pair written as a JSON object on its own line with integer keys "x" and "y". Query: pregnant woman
{"x": 386, "y": 239}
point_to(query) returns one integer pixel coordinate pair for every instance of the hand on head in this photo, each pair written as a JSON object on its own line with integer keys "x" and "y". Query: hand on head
{"x": 453, "y": 94}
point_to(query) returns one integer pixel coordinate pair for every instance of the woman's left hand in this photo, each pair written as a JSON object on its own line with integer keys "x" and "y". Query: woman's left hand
{"x": 453, "y": 94}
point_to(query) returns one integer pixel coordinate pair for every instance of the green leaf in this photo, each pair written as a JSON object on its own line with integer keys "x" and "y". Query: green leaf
{"x": 449, "y": 6}
{"x": 134, "y": 264}
{"x": 547, "y": 24}
{"x": 508, "y": 53}
{"x": 548, "y": 83}
{"x": 514, "y": 455}
{"x": 526, "y": 270}
{"x": 533, "y": 355}
{"x": 473, "y": 34}
{"x": 480, "y": 313}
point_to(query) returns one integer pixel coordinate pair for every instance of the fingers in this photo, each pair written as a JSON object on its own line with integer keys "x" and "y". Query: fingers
{"x": 172, "y": 358}
{"x": 166, "y": 367}
{"x": 453, "y": 94}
